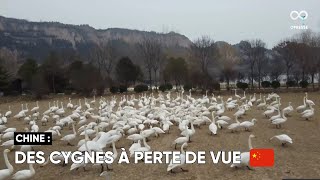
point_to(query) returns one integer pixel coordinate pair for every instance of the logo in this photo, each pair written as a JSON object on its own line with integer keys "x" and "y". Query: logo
{"x": 261, "y": 157}
{"x": 296, "y": 15}
{"x": 299, "y": 15}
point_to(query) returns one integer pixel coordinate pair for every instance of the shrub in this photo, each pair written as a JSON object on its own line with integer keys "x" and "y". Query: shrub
{"x": 215, "y": 86}
{"x": 140, "y": 88}
{"x": 275, "y": 84}
{"x": 114, "y": 89}
{"x": 187, "y": 87}
{"x": 68, "y": 90}
{"x": 242, "y": 85}
{"x": 168, "y": 86}
{"x": 304, "y": 84}
{"x": 265, "y": 84}
{"x": 162, "y": 88}
{"x": 291, "y": 83}
{"x": 123, "y": 89}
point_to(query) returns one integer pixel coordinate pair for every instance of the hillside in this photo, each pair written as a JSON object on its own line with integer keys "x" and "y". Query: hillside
{"x": 36, "y": 39}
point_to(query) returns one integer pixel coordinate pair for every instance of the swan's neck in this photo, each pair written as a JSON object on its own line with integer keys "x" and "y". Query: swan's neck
{"x": 6, "y": 160}
{"x": 85, "y": 143}
{"x": 192, "y": 127}
{"x": 250, "y": 144}
{"x": 115, "y": 153}
{"x": 182, "y": 149}
{"x": 31, "y": 168}
{"x": 237, "y": 119}
{"x": 74, "y": 130}
{"x": 145, "y": 143}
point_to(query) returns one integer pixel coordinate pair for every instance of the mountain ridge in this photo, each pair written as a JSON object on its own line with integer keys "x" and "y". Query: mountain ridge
{"x": 23, "y": 35}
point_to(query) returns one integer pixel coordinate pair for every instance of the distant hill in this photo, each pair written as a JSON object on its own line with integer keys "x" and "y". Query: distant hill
{"x": 37, "y": 39}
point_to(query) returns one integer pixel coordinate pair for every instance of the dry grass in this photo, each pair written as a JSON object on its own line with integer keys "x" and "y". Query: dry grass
{"x": 299, "y": 160}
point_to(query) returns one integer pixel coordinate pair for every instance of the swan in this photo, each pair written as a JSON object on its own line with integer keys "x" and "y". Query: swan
{"x": 248, "y": 124}
{"x": 309, "y": 114}
{"x": 288, "y": 109}
{"x": 25, "y": 174}
{"x": 222, "y": 123}
{"x": 141, "y": 149}
{"x": 135, "y": 137}
{"x": 279, "y": 121}
{"x": 93, "y": 145}
{"x": 70, "y": 137}
{"x": 56, "y": 157}
{"x": 180, "y": 140}
{"x": 114, "y": 157}
{"x": 302, "y": 107}
{"x": 36, "y": 108}
{"x": 182, "y": 159}
{"x": 70, "y": 105}
{"x": 245, "y": 156}
{"x": 308, "y": 101}
{"x": 258, "y": 101}
{"x": 276, "y": 116}
{"x": 189, "y": 132}
{"x": 8, "y": 113}
{"x": 213, "y": 127}
{"x": 134, "y": 146}
{"x": 263, "y": 104}
{"x": 268, "y": 113}
{"x": 236, "y": 95}
{"x": 235, "y": 125}
{"x": 283, "y": 138}
{"x": 94, "y": 100}
{"x": 5, "y": 173}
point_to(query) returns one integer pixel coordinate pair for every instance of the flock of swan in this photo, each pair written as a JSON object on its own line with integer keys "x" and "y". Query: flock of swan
{"x": 102, "y": 123}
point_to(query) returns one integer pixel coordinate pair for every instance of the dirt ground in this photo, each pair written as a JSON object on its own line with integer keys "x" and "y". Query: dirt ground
{"x": 298, "y": 160}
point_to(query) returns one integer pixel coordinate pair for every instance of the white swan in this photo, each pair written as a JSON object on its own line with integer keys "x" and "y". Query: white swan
{"x": 213, "y": 127}
{"x": 245, "y": 156}
{"x": 25, "y": 174}
{"x": 189, "y": 132}
{"x": 302, "y": 107}
{"x": 279, "y": 121}
{"x": 308, "y": 101}
{"x": 283, "y": 138}
{"x": 36, "y": 108}
{"x": 180, "y": 140}
{"x": 248, "y": 124}
{"x": 288, "y": 109}
{"x": 8, "y": 113}
{"x": 182, "y": 160}
{"x": 5, "y": 173}
{"x": 309, "y": 114}
{"x": 70, "y": 137}
{"x": 234, "y": 126}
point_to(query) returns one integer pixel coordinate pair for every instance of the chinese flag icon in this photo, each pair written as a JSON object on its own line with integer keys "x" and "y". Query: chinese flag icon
{"x": 261, "y": 157}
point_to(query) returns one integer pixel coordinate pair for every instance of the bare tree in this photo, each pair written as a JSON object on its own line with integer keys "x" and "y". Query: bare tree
{"x": 254, "y": 54}
{"x": 151, "y": 51}
{"x": 285, "y": 51}
{"x": 104, "y": 57}
{"x": 203, "y": 50}
{"x": 259, "y": 49}
{"x": 228, "y": 60}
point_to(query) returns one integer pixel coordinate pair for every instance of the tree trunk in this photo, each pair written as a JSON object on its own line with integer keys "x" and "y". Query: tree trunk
{"x": 150, "y": 79}
{"x": 252, "y": 78}
{"x": 228, "y": 82}
{"x": 287, "y": 78}
{"x": 155, "y": 78}
{"x": 53, "y": 85}
{"x": 259, "y": 79}
{"x": 312, "y": 78}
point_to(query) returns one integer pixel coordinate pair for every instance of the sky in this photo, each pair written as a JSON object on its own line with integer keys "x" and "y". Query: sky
{"x": 222, "y": 20}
